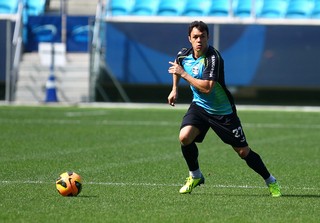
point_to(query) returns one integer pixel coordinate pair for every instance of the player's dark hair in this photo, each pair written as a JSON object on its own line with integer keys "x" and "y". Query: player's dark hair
{"x": 199, "y": 25}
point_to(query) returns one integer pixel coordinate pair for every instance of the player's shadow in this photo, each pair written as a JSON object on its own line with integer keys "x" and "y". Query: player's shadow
{"x": 315, "y": 196}
{"x": 87, "y": 196}
{"x": 302, "y": 195}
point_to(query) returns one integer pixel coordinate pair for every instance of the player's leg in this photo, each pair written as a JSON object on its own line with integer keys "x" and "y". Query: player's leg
{"x": 255, "y": 162}
{"x": 194, "y": 128}
{"x": 189, "y": 148}
{"x": 190, "y": 153}
{"x": 188, "y": 134}
{"x": 229, "y": 129}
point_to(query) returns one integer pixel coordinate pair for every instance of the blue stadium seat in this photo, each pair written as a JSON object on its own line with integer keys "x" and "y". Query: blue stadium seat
{"x": 316, "y": 10}
{"x": 274, "y": 8}
{"x": 145, "y": 7}
{"x": 171, "y": 7}
{"x": 220, "y": 8}
{"x": 120, "y": 7}
{"x": 197, "y": 7}
{"x": 244, "y": 8}
{"x": 35, "y": 7}
{"x": 8, "y": 6}
{"x": 299, "y": 8}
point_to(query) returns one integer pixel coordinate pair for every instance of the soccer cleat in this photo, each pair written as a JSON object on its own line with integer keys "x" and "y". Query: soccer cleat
{"x": 190, "y": 184}
{"x": 274, "y": 189}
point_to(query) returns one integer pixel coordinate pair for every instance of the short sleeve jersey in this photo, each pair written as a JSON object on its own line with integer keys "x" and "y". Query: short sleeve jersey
{"x": 208, "y": 67}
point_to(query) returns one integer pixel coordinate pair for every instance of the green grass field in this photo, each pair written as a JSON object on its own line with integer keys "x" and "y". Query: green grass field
{"x": 132, "y": 167}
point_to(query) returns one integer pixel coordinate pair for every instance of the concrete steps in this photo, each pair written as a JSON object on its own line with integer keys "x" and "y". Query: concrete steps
{"x": 76, "y": 7}
{"x": 72, "y": 81}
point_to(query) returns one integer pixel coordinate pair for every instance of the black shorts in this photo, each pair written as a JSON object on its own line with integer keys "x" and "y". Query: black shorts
{"x": 227, "y": 127}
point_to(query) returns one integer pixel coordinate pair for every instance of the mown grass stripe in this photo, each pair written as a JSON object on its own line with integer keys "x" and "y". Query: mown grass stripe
{"x": 147, "y": 123}
{"x": 128, "y": 184}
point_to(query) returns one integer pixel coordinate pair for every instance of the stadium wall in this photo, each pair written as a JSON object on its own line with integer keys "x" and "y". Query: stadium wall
{"x": 255, "y": 55}
{"x": 47, "y": 28}
{"x": 264, "y": 63}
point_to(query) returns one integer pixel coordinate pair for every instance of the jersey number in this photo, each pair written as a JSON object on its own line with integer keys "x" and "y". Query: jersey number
{"x": 239, "y": 133}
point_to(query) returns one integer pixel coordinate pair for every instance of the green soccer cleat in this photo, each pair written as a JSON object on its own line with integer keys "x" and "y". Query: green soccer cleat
{"x": 190, "y": 184}
{"x": 274, "y": 189}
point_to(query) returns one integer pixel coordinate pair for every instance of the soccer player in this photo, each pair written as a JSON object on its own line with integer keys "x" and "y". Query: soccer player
{"x": 212, "y": 107}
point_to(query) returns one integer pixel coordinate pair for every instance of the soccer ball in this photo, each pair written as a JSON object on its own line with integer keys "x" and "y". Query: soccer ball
{"x": 69, "y": 184}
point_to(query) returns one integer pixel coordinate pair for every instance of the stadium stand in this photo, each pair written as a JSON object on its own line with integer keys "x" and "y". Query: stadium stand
{"x": 71, "y": 80}
{"x": 243, "y": 8}
{"x": 259, "y": 12}
{"x": 8, "y": 6}
{"x": 316, "y": 10}
{"x": 197, "y": 7}
{"x": 299, "y": 8}
{"x": 273, "y": 8}
{"x": 145, "y": 7}
{"x": 171, "y": 7}
{"x": 121, "y": 7}
{"x": 35, "y": 7}
{"x": 247, "y": 8}
{"x": 216, "y": 8}
{"x": 220, "y": 8}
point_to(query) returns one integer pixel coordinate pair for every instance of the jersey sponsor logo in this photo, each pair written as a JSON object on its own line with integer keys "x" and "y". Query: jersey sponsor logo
{"x": 213, "y": 60}
{"x": 195, "y": 69}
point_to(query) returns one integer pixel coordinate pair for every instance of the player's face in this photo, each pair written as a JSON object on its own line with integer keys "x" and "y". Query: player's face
{"x": 199, "y": 41}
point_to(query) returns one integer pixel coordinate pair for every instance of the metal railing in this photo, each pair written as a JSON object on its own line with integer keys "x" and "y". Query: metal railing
{"x": 97, "y": 51}
{"x": 14, "y": 51}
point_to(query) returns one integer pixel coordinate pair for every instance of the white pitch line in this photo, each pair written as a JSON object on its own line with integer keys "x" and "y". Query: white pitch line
{"x": 185, "y": 106}
{"x": 123, "y": 184}
{"x": 270, "y": 108}
{"x": 281, "y": 126}
{"x": 86, "y": 113}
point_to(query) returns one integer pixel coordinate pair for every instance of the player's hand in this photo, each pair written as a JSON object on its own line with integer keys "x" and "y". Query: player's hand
{"x": 172, "y": 98}
{"x": 175, "y": 68}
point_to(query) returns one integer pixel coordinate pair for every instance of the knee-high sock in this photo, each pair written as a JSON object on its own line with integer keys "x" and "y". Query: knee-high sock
{"x": 255, "y": 162}
{"x": 190, "y": 154}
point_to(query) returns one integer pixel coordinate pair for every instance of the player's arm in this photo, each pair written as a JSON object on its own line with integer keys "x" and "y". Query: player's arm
{"x": 204, "y": 86}
{"x": 173, "y": 96}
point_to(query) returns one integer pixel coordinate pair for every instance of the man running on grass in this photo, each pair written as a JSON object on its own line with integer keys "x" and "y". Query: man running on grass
{"x": 212, "y": 107}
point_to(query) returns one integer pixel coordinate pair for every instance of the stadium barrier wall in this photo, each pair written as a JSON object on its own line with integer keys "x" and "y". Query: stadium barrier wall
{"x": 255, "y": 55}
{"x": 47, "y": 28}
